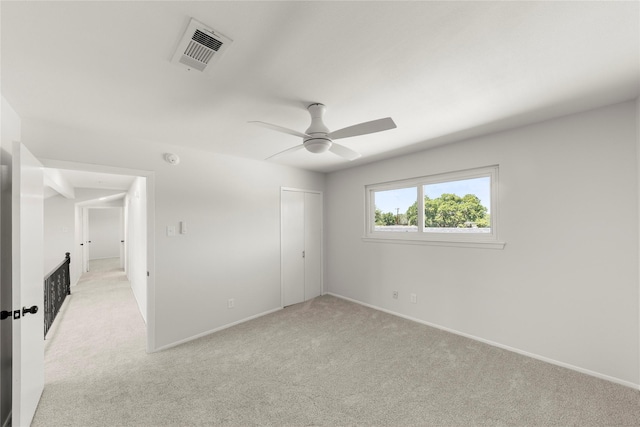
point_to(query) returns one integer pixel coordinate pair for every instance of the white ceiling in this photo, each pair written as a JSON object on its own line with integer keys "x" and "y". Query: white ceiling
{"x": 77, "y": 179}
{"x": 442, "y": 70}
{"x": 105, "y": 181}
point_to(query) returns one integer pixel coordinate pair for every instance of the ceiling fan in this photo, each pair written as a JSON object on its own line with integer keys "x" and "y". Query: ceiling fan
{"x": 318, "y": 139}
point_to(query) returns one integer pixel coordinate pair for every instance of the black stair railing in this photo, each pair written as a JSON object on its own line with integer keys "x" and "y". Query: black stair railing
{"x": 57, "y": 285}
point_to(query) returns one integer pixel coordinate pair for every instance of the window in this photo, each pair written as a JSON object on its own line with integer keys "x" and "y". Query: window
{"x": 390, "y": 218}
{"x": 457, "y": 208}
{"x": 460, "y": 206}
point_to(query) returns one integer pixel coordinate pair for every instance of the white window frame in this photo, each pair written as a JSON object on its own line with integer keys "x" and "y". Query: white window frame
{"x": 422, "y": 237}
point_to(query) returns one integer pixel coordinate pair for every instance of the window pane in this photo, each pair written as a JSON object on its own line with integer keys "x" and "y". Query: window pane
{"x": 394, "y": 210}
{"x": 462, "y": 206}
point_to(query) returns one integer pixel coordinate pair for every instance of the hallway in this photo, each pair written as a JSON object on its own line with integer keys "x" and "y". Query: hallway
{"x": 98, "y": 334}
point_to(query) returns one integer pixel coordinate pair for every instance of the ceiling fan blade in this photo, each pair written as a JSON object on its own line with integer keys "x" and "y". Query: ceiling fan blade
{"x": 364, "y": 128}
{"x": 280, "y": 129}
{"x": 344, "y": 152}
{"x": 288, "y": 150}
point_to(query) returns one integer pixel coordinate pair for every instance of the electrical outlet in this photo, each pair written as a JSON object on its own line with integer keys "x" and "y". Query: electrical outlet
{"x": 414, "y": 298}
{"x": 231, "y": 303}
{"x": 395, "y": 294}
{"x": 171, "y": 231}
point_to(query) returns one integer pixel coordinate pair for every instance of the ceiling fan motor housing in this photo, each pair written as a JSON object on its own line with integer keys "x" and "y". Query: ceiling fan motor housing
{"x": 319, "y": 141}
{"x": 317, "y": 126}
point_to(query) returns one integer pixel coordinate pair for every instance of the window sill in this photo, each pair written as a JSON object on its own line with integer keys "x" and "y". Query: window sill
{"x": 451, "y": 243}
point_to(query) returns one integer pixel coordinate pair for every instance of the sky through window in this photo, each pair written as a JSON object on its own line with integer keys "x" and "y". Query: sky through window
{"x": 391, "y": 200}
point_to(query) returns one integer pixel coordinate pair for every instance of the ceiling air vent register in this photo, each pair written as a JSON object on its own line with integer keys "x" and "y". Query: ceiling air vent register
{"x": 200, "y": 47}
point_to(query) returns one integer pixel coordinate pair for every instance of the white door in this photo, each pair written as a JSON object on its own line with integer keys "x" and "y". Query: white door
{"x": 85, "y": 240}
{"x": 27, "y": 285}
{"x": 312, "y": 245}
{"x": 301, "y": 221}
{"x": 122, "y": 251}
{"x": 292, "y": 219}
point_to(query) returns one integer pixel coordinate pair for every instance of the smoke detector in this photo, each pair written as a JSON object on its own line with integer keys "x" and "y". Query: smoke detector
{"x": 171, "y": 158}
{"x": 200, "y": 47}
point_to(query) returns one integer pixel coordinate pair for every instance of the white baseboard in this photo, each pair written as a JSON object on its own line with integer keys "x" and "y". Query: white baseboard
{"x": 212, "y": 331}
{"x": 495, "y": 344}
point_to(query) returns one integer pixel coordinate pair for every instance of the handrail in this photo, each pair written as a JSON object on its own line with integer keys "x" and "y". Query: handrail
{"x": 66, "y": 260}
{"x": 57, "y": 285}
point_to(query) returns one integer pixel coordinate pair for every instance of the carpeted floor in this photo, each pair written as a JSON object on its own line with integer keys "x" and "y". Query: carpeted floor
{"x": 323, "y": 362}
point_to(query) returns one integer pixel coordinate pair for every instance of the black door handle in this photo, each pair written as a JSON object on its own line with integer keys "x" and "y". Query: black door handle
{"x": 7, "y": 314}
{"x": 33, "y": 310}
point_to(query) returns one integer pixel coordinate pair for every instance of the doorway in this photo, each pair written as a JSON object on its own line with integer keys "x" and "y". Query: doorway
{"x": 103, "y": 235}
{"x": 26, "y": 238}
{"x": 135, "y": 238}
{"x": 301, "y": 245}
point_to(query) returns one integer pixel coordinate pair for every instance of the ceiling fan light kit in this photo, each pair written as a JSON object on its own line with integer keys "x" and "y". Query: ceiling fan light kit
{"x": 317, "y": 145}
{"x": 319, "y": 139}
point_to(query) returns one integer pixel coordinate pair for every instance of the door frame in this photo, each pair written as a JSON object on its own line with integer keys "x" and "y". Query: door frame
{"x": 302, "y": 190}
{"x": 86, "y": 234}
{"x": 151, "y": 247}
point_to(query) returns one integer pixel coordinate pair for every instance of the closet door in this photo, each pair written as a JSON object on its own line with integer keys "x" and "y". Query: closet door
{"x": 301, "y": 221}
{"x": 312, "y": 245}
{"x": 292, "y": 257}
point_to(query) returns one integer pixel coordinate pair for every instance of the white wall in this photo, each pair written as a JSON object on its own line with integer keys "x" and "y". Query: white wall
{"x": 105, "y": 232}
{"x": 10, "y": 130}
{"x": 232, "y": 207}
{"x": 59, "y": 228}
{"x": 565, "y": 287}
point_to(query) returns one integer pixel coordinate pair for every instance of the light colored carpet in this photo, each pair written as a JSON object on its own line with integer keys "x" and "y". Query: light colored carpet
{"x": 324, "y": 362}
